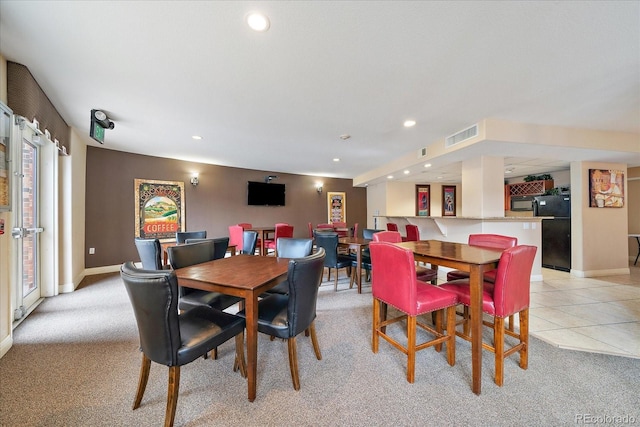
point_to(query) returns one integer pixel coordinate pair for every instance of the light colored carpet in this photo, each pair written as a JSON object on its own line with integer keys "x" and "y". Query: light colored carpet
{"x": 75, "y": 362}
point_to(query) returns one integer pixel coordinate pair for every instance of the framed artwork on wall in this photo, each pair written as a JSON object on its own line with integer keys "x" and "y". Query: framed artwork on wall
{"x": 423, "y": 200}
{"x": 448, "y": 200}
{"x": 159, "y": 209}
{"x": 606, "y": 188}
{"x": 337, "y": 207}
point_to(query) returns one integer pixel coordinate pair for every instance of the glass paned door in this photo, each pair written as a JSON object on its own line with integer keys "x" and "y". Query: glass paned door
{"x": 26, "y": 231}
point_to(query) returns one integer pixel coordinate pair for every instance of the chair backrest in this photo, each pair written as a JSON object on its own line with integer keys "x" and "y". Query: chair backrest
{"x": 304, "y": 276}
{"x": 325, "y": 226}
{"x": 329, "y": 242}
{"x": 387, "y": 236}
{"x": 392, "y": 226}
{"x": 393, "y": 278}
{"x": 245, "y": 225}
{"x": 367, "y": 233}
{"x": 339, "y": 224}
{"x": 249, "y": 242}
{"x": 154, "y": 297}
{"x": 192, "y": 253}
{"x": 294, "y": 248}
{"x": 150, "y": 253}
{"x": 310, "y": 229}
{"x": 513, "y": 280}
{"x": 492, "y": 241}
{"x": 235, "y": 235}
{"x": 413, "y": 232}
{"x": 220, "y": 245}
{"x": 283, "y": 230}
{"x": 355, "y": 230}
{"x": 182, "y": 236}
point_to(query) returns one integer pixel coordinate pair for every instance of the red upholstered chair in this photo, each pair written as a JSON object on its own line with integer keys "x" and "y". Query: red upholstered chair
{"x": 394, "y": 283}
{"x": 424, "y": 274}
{"x": 282, "y": 231}
{"x": 355, "y": 230}
{"x": 310, "y": 226}
{"x": 507, "y": 296}
{"x": 236, "y": 236}
{"x": 392, "y": 226}
{"x": 413, "y": 233}
{"x": 489, "y": 241}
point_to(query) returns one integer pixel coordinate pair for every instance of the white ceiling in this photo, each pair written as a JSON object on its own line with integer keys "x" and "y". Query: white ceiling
{"x": 278, "y": 101}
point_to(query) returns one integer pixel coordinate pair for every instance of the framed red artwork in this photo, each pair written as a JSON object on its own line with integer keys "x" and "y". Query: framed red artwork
{"x": 423, "y": 200}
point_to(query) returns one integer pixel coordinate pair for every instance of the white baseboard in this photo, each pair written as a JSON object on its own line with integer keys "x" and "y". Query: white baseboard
{"x": 5, "y": 345}
{"x": 600, "y": 273}
{"x": 102, "y": 270}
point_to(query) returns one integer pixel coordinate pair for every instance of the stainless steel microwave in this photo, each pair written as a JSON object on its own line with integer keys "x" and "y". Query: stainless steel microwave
{"x": 522, "y": 203}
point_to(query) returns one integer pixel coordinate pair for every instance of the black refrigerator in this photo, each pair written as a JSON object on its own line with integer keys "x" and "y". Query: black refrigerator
{"x": 556, "y": 232}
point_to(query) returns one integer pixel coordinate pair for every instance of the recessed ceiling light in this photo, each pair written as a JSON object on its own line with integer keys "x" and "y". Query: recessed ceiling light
{"x": 196, "y": 137}
{"x": 409, "y": 123}
{"x": 427, "y": 165}
{"x": 389, "y": 176}
{"x": 508, "y": 171}
{"x": 406, "y": 172}
{"x": 258, "y": 21}
{"x": 336, "y": 159}
{"x": 345, "y": 136}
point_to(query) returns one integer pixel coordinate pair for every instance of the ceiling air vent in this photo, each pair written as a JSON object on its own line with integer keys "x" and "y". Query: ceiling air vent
{"x": 463, "y": 135}
{"x": 422, "y": 152}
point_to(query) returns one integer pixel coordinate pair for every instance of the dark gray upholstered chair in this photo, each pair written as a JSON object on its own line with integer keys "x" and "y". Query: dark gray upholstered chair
{"x": 290, "y": 248}
{"x": 173, "y": 339}
{"x": 220, "y": 245}
{"x": 286, "y": 316}
{"x": 150, "y": 253}
{"x": 249, "y": 242}
{"x": 197, "y": 253}
{"x": 329, "y": 241}
{"x": 182, "y": 236}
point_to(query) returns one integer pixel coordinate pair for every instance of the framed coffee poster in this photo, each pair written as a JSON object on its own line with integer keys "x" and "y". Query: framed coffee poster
{"x": 159, "y": 209}
{"x": 423, "y": 200}
{"x": 606, "y": 188}
{"x": 337, "y": 207}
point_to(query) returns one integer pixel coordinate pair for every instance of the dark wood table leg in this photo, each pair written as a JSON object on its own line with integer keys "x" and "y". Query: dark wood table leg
{"x": 359, "y": 266}
{"x": 251, "y": 310}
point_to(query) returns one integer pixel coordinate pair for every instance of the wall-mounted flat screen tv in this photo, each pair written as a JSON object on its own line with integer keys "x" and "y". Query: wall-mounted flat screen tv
{"x": 265, "y": 194}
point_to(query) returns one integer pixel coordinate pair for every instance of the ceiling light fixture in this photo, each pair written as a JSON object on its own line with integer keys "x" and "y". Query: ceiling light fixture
{"x": 407, "y": 172}
{"x": 197, "y": 137}
{"x": 258, "y": 21}
{"x": 345, "y": 136}
{"x": 427, "y": 165}
{"x": 409, "y": 123}
{"x": 336, "y": 159}
{"x": 389, "y": 176}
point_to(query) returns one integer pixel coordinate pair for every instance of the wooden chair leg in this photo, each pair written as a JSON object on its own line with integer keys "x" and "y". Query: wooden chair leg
{"x": 466, "y": 327}
{"x": 498, "y": 343}
{"x": 376, "y": 325}
{"x": 240, "y": 355}
{"x": 142, "y": 381}
{"x": 411, "y": 348}
{"x": 314, "y": 340}
{"x": 335, "y": 284}
{"x": 437, "y": 326}
{"x": 451, "y": 333}
{"x": 511, "y": 323}
{"x": 172, "y": 395}
{"x": 523, "y": 317}
{"x": 293, "y": 362}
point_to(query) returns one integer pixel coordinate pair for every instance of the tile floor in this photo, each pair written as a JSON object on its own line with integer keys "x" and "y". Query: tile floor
{"x": 599, "y": 315}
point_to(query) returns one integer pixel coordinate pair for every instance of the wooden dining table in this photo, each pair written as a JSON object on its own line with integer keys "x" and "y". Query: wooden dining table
{"x": 244, "y": 276}
{"x": 476, "y": 261}
{"x": 358, "y": 244}
{"x": 263, "y": 233}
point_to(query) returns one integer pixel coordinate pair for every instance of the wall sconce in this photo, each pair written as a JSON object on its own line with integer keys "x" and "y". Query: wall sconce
{"x": 194, "y": 180}
{"x": 319, "y": 187}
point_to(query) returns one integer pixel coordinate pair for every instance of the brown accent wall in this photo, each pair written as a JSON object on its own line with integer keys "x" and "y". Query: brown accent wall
{"x": 217, "y": 202}
{"x": 27, "y": 99}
